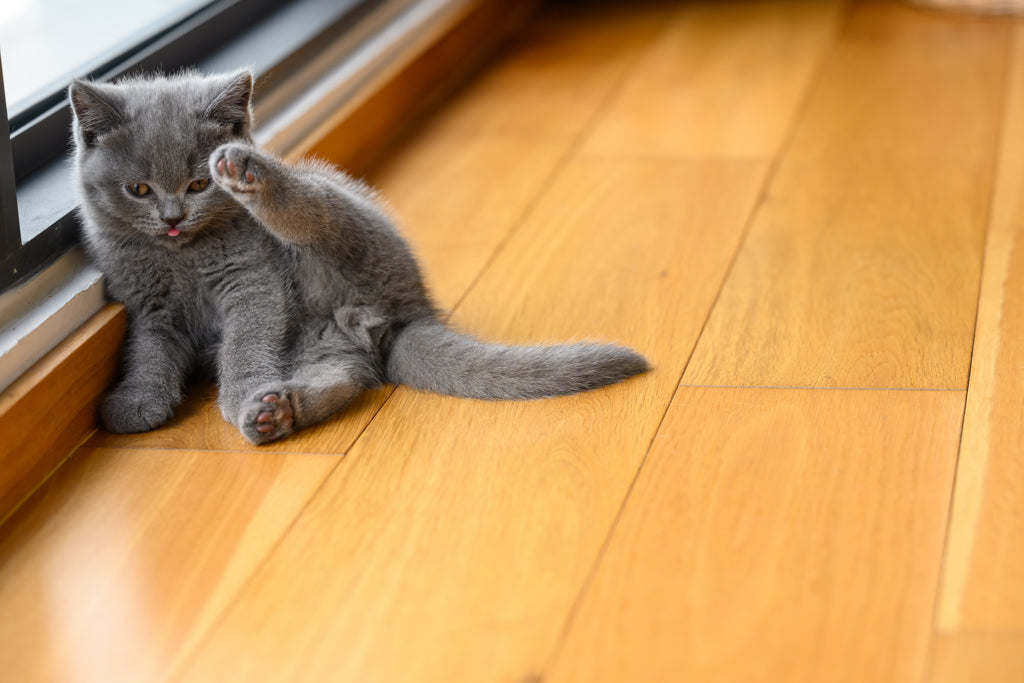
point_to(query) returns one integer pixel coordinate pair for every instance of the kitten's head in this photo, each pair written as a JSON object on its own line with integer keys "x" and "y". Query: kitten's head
{"x": 142, "y": 147}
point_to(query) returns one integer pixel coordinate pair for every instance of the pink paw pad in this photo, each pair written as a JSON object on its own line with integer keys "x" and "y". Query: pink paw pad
{"x": 277, "y": 413}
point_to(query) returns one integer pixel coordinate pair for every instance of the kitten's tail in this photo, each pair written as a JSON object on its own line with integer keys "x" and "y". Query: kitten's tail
{"x": 428, "y": 355}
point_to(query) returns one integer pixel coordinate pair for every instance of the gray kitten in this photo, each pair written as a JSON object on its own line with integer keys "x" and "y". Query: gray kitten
{"x": 286, "y": 282}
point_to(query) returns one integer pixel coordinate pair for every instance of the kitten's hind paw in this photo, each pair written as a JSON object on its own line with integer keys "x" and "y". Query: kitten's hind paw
{"x": 237, "y": 168}
{"x": 270, "y": 418}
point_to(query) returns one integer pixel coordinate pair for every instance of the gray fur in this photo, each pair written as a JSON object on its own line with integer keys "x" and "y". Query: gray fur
{"x": 286, "y": 282}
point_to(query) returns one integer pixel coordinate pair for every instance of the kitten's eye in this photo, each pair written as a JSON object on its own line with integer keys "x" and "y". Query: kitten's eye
{"x": 138, "y": 189}
{"x": 198, "y": 185}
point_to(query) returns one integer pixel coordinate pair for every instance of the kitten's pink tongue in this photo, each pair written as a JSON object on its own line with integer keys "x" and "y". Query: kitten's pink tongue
{"x": 173, "y": 232}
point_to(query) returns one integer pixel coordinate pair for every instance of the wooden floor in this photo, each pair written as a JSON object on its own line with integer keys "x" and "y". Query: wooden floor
{"x": 808, "y": 215}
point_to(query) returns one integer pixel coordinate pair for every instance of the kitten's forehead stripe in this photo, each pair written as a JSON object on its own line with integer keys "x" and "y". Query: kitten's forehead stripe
{"x": 167, "y": 123}
{"x": 170, "y": 131}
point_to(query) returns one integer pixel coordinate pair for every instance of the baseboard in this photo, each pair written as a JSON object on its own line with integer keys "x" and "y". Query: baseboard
{"x": 47, "y": 412}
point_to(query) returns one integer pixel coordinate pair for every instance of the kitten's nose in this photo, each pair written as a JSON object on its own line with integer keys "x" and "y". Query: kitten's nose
{"x": 172, "y": 210}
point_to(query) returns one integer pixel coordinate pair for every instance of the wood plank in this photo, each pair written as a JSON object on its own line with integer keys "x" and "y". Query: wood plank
{"x": 724, "y": 80}
{"x": 832, "y": 295}
{"x": 775, "y": 535}
{"x": 862, "y": 266}
{"x": 124, "y": 557}
{"x": 907, "y": 84}
{"x": 556, "y": 76}
{"x": 452, "y": 540}
{"x": 988, "y": 657}
{"x": 982, "y": 587}
{"x": 50, "y": 409}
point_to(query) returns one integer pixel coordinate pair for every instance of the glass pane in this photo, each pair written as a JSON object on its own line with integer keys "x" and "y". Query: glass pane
{"x": 44, "y": 43}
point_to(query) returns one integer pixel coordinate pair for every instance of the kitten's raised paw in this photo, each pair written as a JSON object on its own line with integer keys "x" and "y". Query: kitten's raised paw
{"x": 237, "y": 168}
{"x": 270, "y": 418}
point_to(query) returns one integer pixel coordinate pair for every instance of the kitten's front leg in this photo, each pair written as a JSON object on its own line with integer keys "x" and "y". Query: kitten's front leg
{"x": 296, "y": 204}
{"x": 155, "y": 361}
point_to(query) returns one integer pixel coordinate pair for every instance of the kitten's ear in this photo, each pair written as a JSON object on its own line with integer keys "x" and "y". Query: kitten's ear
{"x": 97, "y": 109}
{"x": 231, "y": 105}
